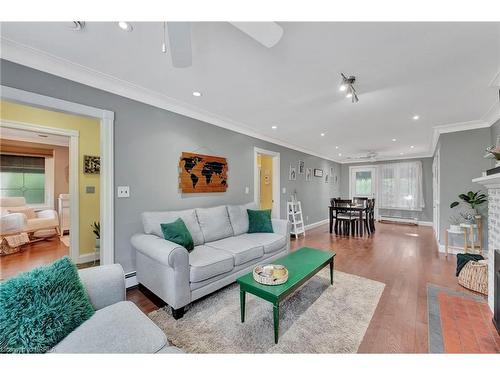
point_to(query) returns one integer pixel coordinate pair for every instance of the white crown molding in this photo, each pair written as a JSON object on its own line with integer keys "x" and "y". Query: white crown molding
{"x": 43, "y": 61}
{"x": 31, "y": 134}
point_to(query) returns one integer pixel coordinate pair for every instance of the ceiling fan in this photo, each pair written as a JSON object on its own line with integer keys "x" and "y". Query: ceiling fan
{"x": 179, "y": 37}
{"x": 369, "y": 156}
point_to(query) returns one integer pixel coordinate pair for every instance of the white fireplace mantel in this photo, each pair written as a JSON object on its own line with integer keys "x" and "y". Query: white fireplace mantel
{"x": 492, "y": 183}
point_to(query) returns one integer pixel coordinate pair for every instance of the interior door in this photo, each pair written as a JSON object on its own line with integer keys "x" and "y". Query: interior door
{"x": 363, "y": 183}
{"x": 435, "y": 194}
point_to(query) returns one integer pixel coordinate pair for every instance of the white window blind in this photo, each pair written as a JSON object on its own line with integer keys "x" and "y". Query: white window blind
{"x": 400, "y": 186}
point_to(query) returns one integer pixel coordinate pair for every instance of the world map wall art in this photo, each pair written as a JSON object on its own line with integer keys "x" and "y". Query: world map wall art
{"x": 202, "y": 173}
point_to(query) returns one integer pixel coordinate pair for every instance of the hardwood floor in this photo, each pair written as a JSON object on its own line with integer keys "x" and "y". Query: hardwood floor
{"x": 33, "y": 255}
{"x": 403, "y": 257}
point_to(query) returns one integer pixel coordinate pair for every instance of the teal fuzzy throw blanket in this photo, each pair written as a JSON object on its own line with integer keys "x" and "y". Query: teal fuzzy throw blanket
{"x": 41, "y": 307}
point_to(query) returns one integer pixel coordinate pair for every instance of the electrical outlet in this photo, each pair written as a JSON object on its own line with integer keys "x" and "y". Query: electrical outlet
{"x": 283, "y": 190}
{"x": 123, "y": 191}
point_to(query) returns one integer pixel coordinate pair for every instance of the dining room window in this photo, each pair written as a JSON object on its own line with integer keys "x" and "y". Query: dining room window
{"x": 400, "y": 186}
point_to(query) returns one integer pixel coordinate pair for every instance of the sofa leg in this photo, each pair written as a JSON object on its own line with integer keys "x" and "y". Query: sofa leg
{"x": 178, "y": 313}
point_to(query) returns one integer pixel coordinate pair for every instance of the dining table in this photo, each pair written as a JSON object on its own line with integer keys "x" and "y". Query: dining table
{"x": 359, "y": 208}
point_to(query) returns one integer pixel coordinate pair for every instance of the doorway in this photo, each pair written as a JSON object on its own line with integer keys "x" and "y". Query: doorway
{"x": 363, "y": 183}
{"x": 86, "y": 170}
{"x": 435, "y": 194}
{"x": 267, "y": 180}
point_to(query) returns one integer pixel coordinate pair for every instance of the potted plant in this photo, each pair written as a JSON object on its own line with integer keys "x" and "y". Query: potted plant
{"x": 96, "y": 228}
{"x": 472, "y": 199}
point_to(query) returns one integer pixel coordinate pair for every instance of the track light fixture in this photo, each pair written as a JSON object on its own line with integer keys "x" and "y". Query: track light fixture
{"x": 347, "y": 86}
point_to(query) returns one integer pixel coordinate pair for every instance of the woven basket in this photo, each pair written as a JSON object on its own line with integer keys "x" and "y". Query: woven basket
{"x": 474, "y": 276}
{"x": 270, "y": 279}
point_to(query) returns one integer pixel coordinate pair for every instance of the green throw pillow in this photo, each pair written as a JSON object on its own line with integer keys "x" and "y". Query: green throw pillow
{"x": 41, "y": 307}
{"x": 178, "y": 233}
{"x": 259, "y": 221}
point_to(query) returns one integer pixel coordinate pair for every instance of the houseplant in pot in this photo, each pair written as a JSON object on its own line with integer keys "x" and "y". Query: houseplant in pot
{"x": 472, "y": 200}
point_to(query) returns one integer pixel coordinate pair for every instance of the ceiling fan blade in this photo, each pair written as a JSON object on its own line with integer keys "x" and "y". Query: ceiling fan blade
{"x": 179, "y": 39}
{"x": 266, "y": 33}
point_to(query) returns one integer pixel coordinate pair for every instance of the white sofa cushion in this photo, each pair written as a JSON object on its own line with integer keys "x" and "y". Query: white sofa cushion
{"x": 119, "y": 328}
{"x": 242, "y": 249}
{"x": 206, "y": 262}
{"x": 214, "y": 223}
{"x": 152, "y": 220}
{"x": 238, "y": 216}
{"x": 271, "y": 241}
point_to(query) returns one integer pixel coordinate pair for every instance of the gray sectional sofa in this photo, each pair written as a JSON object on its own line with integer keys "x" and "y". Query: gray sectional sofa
{"x": 223, "y": 252}
{"x": 117, "y": 326}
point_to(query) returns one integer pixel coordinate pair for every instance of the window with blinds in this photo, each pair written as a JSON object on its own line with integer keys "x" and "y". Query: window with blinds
{"x": 23, "y": 176}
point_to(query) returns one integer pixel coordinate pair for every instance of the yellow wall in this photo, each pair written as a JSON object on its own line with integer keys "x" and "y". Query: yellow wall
{"x": 89, "y": 130}
{"x": 266, "y": 190}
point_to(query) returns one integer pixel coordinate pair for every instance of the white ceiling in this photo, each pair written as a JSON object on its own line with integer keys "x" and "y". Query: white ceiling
{"x": 441, "y": 71}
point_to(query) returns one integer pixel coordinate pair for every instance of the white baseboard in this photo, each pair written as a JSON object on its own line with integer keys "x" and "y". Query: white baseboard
{"x": 87, "y": 257}
{"x": 130, "y": 280}
{"x": 316, "y": 224}
{"x": 425, "y": 223}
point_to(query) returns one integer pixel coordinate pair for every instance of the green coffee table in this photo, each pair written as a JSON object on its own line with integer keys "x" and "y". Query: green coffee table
{"x": 302, "y": 265}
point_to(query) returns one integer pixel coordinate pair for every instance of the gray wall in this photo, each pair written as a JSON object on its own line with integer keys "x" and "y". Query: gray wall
{"x": 148, "y": 143}
{"x": 425, "y": 214}
{"x": 461, "y": 160}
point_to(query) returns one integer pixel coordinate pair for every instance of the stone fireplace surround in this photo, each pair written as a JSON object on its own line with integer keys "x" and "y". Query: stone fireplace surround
{"x": 492, "y": 184}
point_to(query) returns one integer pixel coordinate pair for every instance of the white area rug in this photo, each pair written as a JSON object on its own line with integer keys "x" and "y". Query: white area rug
{"x": 318, "y": 318}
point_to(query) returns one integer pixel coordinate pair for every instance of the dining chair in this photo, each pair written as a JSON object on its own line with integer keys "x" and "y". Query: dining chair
{"x": 370, "y": 213}
{"x": 345, "y": 220}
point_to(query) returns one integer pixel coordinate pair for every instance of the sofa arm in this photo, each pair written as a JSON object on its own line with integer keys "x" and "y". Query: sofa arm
{"x": 281, "y": 226}
{"x": 12, "y": 223}
{"x": 163, "y": 251}
{"x": 105, "y": 285}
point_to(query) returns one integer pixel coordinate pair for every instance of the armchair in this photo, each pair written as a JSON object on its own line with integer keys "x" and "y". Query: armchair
{"x": 15, "y": 217}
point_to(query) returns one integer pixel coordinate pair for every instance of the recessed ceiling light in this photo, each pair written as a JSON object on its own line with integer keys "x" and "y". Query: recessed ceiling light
{"x": 401, "y": 153}
{"x": 322, "y": 134}
{"x": 337, "y": 147}
{"x": 125, "y": 26}
{"x": 394, "y": 139}
{"x": 274, "y": 127}
{"x": 416, "y": 117}
{"x": 196, "y": 93}
{"x": 412, "y": 146}
{"x": 340, "y": 154}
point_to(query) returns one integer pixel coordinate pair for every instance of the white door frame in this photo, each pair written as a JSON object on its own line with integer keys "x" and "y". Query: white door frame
{"x": 74, "y": 250}
{"x": 276, "y": 212}
{"x": 375, "y": 183}
{"x": 106, "y": 119}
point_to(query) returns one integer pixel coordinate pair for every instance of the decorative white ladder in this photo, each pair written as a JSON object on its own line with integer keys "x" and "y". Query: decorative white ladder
{"x": 294, "y": 210}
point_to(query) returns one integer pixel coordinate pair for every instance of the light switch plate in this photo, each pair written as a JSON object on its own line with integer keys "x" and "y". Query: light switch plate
{"x": 247, "y": 190}
{"x": 283, "y": 190}
{"x": 123, "y": 191}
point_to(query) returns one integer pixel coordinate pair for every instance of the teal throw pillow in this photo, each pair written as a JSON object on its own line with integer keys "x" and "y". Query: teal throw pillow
{"x": 41, "y": 307}
{"x": 178, "y": 233}
{"x": 259, "y": 221}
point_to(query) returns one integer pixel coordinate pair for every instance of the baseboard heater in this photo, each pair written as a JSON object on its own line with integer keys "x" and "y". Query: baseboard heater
{"x": 398, "y": 220}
